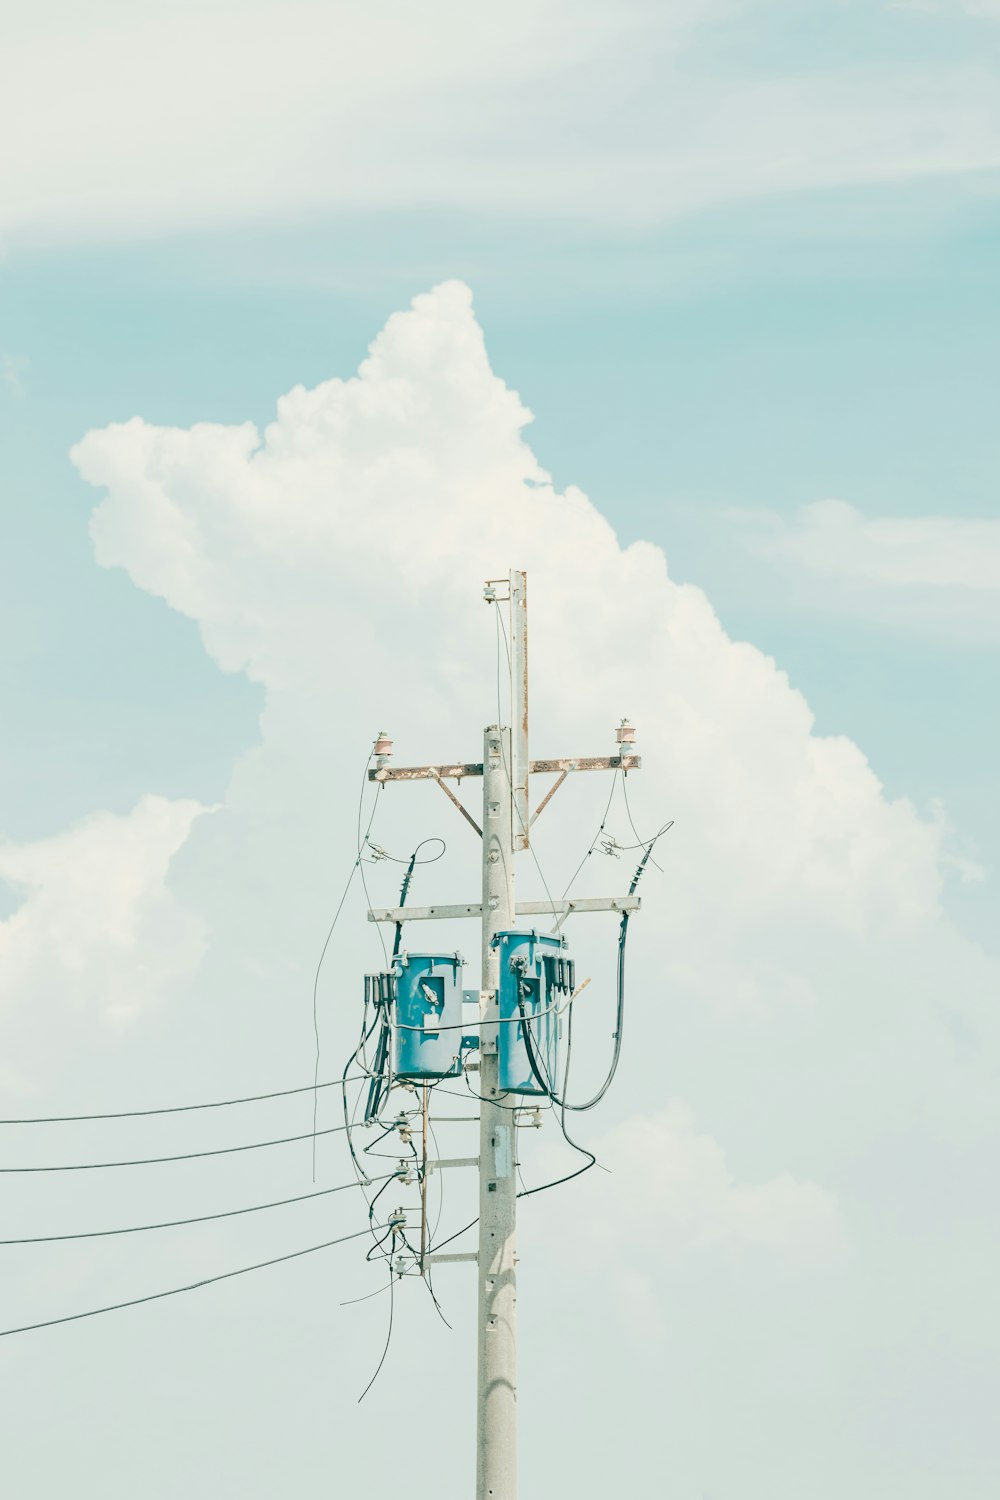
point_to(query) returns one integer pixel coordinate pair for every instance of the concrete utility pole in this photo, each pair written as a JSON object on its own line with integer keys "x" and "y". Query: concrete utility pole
{"x": 505, "y": 770}
{"x": 496, "y": 1415}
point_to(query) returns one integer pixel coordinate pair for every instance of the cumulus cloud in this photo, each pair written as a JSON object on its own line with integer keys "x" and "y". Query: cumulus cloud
{"x": 939, "y": 571}
{"x": 671, "y": 1186}
{"x": 334, "y": 559}
{"x": 96, "y": 923}
{"x": 130, "y": 121}
{"x": 413, "y": 477}
{"x": 792, "y": 975}
{"x": 672, "y": 1181}
{"x": 832, "y": 537}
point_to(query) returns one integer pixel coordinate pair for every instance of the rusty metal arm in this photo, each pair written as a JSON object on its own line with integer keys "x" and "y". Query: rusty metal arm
{"x": 590, "y": 763}
{"x": 456, "y": 771}
{"x": 548, "y": 797}
{"x": 463, "y": 810}
{"x": 453, "y": 772}
{"x": 560, "y": 909}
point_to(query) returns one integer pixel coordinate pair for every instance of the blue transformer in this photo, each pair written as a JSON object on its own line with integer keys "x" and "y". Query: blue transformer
{"x": 530, "y": 966}
{"x": 428, "y": 1015}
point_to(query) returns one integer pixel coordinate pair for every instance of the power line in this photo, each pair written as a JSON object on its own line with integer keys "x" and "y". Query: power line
{"x": 177, "y": 1109}
{"x": 593, "y": 845}
{"x": 148, "y": 1161}
{"x": 389, "y": 1335}
{"x": 175, "y": 1291}
{"x": 326, "y": 942}
{"x": 232, "y": 1213}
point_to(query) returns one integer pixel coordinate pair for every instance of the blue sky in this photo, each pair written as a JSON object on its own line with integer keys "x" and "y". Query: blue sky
{"x": 739, "y": 259}
{"x": 765, "y": 355}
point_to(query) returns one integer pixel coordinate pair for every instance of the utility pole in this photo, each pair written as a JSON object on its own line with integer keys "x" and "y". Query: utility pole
{"x": 496, "y": 1366}
{"x": 505, "y": 771}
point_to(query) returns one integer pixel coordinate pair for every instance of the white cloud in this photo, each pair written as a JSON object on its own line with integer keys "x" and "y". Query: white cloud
{"x": 335, "y": 560}
{"x": 97, "y": 925}
{"x": 414, "y": 475}
{"x": 671, "y": 1184}
{"x": 132, "y": 121}
{"x": 977, "y": 9}
{"x": 10, "y": 372}
{"x": 834, "y": 538}
{"x": 663, "y": 1183}
{"x": 935, "y": 572}
{"x": 792, "y": 974}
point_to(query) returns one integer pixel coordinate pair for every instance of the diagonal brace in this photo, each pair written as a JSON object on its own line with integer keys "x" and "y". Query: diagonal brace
{"x": 548, "y": 797}
{"x": 452, "y": 798}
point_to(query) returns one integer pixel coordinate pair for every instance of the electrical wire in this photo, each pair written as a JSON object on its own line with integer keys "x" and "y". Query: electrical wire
{"x": 524, "y": 1193}
{"x": 546, "y": 1085}
{"x": 378, "y": 1292}
{"x": 326, "y": 942}
{"x": 428, "y": 1270}
{"x": 232, "y": 1213}
{"x": 388, "y": 1337}
{"x": 348, "y": 1125}
{"x": 381, "y": 853}
{"x": 173, "y": 1109}
{"x": 642, "y": 842}
{"x": 616, "y": 848}
{"x": 597, "y": 835}
{"x": 148, "y": 1161}
{"x": 175, "y": 1291}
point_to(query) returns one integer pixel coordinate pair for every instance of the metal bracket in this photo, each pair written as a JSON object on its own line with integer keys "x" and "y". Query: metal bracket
{"x": 558, "y": 909}
{"x": 452, "y": 798}
{"x": 451, "y": 1259}
{"x": 520, "y": 762}
{"x": 455, "y": 771}
{"x": 452, "y": 1161}
{"x": 548, "y": 797}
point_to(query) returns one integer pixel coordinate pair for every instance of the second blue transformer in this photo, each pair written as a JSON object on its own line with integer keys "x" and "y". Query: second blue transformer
{"x": 524, "y": 974}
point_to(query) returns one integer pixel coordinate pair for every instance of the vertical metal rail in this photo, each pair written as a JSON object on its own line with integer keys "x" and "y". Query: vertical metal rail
{"x": 520, "y": 764}
{"x": 496, "y": 1385}
{"x": 423, "y": 1182}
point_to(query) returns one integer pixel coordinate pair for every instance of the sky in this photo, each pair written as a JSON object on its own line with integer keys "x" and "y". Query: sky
{"x": 312, "y": 318}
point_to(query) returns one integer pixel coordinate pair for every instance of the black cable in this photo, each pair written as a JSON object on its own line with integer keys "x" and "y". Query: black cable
{"x": 347, "y": 1125}
{"x": 482, "y": 1099}
{"x": 232, "y": 1213}
{"x": 393, "y": 1176}
{"x": 173, "y": 1109}
{"x": 388, "y": 1337}
{"x": 379, "y": 1243}
{"x": 175, "y": 1291}
{"x": 380, "y": 1084}
{"x": 457, "y": 1235}
{"x": 557, "y": 1181}
{"x": 524, "y": 1193}
{"x": 619, "y": 1017}
{"x": 593, "y": 844}
{"x": 616, "y": 848}
{"x": 148, "y": 1161}
{"x": 336, "y": 917}
{"x": 367, "y": 1296}
{"x": 381, "y": 853}
{"x": 642, "y": 843}
{"x": 428, "y": 1269}
{"x": 474, "y": 1025}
